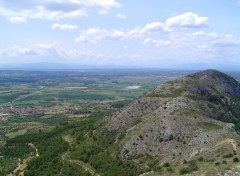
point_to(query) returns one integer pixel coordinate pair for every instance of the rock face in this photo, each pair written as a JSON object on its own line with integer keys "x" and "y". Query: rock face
{"x": 193, "y": 116}
{"x": 223, "y": 83}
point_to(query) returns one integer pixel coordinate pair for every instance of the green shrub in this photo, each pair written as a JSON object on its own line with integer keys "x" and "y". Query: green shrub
{"x": 192, "y": 165}
{"x": 224, "y": 162}
{"x": 200, "y": 158}
{"x": 154, "y": 165}
{"x": 166, "y": 164}
{"x": 157, "y": 169}
{"x": 235, "y": 159}
{"x": 185, "y": 170}
{"x": 211, "y": 160}
{"x": 169, "y": 169}
{"x": 184, "y": 161}
{"x": 229, "y": 155}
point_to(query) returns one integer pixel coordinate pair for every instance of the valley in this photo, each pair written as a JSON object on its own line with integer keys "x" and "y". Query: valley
{"x": 33, "y": 102}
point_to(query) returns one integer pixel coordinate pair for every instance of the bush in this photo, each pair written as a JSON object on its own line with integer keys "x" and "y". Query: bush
{"x": 192, "y": 165}
{"x": 157, "y": 169}
{"x": 185, "y": 170}
{"x": 154, "y": 165}
{"x": 166, "y": 164}
{"x": 169, "y": 169}
{"x": 184, "y": 161}
{"x": 235, "y": 159}
{"x": 200, "y": 158}
{"x": 229, "y": 155}
{"x": 217, "y": 164}
{"x": 211, "y": 160}
{"x": 224, "y": 162}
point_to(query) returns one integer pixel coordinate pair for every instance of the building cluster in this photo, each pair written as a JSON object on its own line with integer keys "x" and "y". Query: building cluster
{"x": 13, "y": 111}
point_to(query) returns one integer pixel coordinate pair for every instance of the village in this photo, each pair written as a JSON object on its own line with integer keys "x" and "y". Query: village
{"x": 13, "y": 111}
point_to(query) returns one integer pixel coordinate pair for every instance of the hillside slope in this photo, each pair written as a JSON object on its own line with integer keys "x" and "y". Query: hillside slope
{"x": 186, "y": 126}
{"x": 196, "y": 116}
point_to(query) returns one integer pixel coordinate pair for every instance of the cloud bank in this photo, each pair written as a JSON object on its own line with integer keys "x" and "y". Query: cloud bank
{"x": 19, "y": 11}
{"x": 186, "y": 20}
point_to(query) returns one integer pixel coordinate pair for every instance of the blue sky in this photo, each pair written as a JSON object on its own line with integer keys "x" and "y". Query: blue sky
{"x": 146, "y": 33}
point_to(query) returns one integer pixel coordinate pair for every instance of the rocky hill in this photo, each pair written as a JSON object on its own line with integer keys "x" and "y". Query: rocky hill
{"x": 196, "y": 116}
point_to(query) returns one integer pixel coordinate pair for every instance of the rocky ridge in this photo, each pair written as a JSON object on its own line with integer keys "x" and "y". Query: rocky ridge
{"x": 191, "y": 117}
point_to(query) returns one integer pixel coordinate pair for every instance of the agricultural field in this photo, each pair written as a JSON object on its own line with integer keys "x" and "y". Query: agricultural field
{"x": 32, "y": 102}
{"x": 72, "y": 93}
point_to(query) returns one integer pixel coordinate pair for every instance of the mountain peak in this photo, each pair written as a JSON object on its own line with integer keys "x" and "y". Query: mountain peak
{"x": 211, "y": 74}
{"x": 222, "y": 82}
{"x": 173, "y": 120}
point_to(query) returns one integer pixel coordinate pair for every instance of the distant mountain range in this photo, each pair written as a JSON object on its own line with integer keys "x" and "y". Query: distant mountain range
{"x": 57, "y": 66}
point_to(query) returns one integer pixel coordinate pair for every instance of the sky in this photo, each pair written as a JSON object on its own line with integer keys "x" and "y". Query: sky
{"x": 143, "y": 33}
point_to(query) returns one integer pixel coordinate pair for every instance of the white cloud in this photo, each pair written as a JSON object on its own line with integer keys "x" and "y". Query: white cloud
{"x": 173, "y": 47}
{"x": 27, "y": 52}
{"x": 39, "y": 52}
{"x": 121, "y": 16}
{"x": 20, "y": 11}
{"x": 201, "y": 44}
{"x": 18, "y": 51}
{"x": 64, "y": 26}
{"x": 17, "y": 20}
{"x": 94, "y": 35}
{"x": 157, "y": 42}
{"x": 149, "y": 41}
{"x": 187, "y": 20}
{"x": 155, "y": 27}
{"x": 173, "y": 38}
{"x": 56, "y": 49}
{"x": 50, "y": 50}
{"x": 195, "y": 47}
